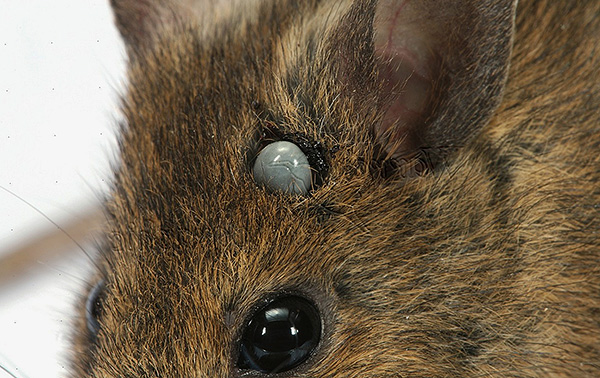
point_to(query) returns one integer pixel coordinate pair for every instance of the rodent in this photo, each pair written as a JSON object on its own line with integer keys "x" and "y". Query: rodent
{"x": 451, "y": 224}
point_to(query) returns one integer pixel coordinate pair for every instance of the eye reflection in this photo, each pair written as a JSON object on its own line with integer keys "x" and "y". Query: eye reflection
{"x": 281, "y": 336}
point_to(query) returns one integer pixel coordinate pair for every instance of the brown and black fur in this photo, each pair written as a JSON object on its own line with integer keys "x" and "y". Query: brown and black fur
{"x": 483, "y": 262}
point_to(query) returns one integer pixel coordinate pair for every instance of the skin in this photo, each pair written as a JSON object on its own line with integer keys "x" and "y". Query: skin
{"x": 464, "y": 242}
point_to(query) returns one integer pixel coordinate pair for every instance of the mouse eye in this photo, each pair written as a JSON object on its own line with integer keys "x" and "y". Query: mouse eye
{"x": 280, "y": 336}
{"x": 93, "y": 308}
{"x": 283, "y": 166}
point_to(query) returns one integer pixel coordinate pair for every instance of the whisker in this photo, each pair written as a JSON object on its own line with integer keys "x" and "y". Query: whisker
{"x": 48, "y": 245}
{"x": 64, "y": 272}
{"x": 5, "y": 369}
{"x": 8, "y": 371}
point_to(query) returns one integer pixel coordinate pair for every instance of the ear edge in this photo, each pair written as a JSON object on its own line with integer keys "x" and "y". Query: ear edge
{"x": 466, "y": 86}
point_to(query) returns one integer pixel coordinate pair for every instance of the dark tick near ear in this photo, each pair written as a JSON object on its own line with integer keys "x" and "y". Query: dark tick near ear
{"x": 283, "y": 166}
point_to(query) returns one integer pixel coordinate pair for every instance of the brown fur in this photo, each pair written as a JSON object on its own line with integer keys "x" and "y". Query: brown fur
{"x": 485, "y": 264}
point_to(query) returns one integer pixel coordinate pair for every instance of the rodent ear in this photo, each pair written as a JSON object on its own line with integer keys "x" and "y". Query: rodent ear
{"x": 441, "y": 66}
{"x": 141, "y": 21}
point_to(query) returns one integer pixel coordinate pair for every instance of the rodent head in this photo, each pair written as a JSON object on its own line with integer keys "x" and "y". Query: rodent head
{"x": 380, "y": 96}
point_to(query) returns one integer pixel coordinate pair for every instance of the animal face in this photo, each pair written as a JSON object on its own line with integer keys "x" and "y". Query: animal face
{"x": 442, "y": 229}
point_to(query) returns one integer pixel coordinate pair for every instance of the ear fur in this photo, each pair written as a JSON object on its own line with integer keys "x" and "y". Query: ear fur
{"x": 140, "y": 22}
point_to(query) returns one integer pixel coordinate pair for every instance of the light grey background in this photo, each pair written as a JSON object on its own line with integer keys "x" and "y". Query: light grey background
{"x": 61, "y": 65}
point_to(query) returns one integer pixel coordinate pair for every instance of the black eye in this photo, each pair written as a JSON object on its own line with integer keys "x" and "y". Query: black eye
{"x": 280, "y": 336}
{"x": 93, "y": 308}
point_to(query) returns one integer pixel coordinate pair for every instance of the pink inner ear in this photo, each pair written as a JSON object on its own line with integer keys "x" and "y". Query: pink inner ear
{"x": 406, "y": 62}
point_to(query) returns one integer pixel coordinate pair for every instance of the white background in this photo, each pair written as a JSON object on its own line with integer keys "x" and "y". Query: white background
{"x": 61, "y": 66}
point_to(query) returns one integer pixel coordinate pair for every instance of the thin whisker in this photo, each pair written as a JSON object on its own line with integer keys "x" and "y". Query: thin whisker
{"x": 34, "y": 251}
{"x": 12, "y": 374}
